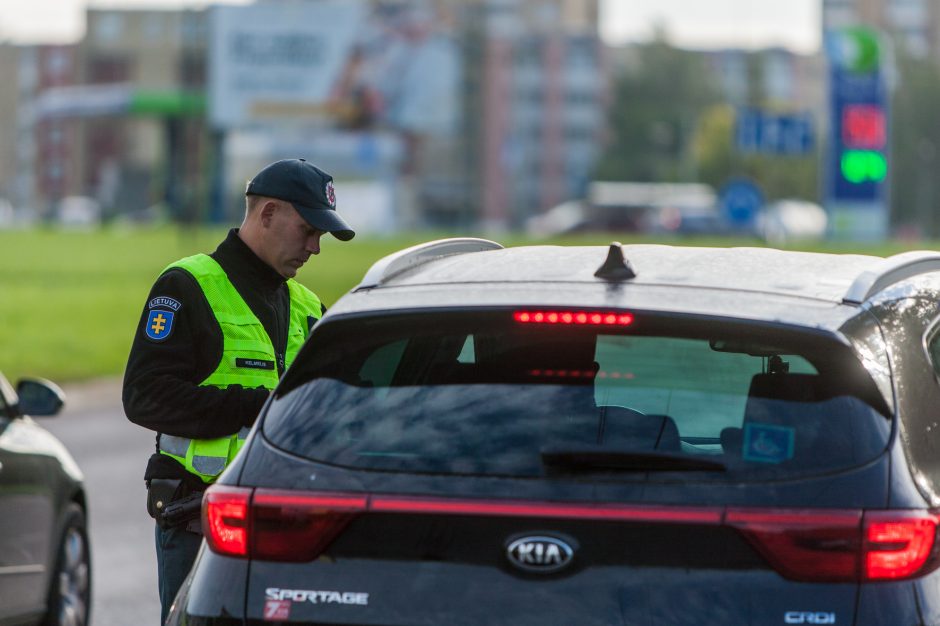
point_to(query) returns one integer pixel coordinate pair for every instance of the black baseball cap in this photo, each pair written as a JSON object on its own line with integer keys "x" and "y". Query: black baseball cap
{"x": 308, "y": 188}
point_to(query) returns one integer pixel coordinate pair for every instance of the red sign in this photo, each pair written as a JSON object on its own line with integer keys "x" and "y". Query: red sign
{"x": 863, "y": 126}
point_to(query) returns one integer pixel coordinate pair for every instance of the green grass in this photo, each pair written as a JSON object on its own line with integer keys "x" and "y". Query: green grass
{"x": 70, "y": 301}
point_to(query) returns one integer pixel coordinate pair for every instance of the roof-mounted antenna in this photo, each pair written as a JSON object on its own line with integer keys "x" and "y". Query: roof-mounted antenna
{"x": 615, "y": 267}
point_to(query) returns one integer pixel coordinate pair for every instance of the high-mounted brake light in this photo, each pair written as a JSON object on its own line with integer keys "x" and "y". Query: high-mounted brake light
{"x": 577, "y": 318}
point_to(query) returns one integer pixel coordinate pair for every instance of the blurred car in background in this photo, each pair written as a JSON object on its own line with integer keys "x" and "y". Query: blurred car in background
{"x": 632, "y": 207}
{"x": 78, "y": 212}
{"x": 791, "y": 220}
{"x": 45, "y": 561}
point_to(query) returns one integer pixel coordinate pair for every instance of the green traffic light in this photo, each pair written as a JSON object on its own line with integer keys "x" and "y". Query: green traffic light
{"x": 859, "y": 166}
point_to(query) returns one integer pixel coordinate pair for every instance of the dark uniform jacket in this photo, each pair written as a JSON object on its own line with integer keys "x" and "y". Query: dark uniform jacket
{"x": 161, "y": 382}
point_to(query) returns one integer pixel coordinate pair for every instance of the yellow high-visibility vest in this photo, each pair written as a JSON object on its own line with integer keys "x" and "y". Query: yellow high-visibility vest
{"x": 248, "y": 358}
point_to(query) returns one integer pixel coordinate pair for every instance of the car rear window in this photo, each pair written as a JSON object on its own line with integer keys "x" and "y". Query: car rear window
{"x": 482, "y": 394}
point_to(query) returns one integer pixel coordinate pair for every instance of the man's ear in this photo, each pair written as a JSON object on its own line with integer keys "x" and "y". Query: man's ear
{"x": 266, "y": 212}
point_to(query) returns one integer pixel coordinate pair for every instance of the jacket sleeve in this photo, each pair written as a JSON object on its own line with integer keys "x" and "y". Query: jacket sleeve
{"x": 174, "y": 350}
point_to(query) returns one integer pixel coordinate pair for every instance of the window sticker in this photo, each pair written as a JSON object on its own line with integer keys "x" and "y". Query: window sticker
{"x": 766, "y": 443}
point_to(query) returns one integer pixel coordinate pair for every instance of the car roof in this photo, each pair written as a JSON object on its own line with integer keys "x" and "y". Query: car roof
{"x": 804, "y": 288}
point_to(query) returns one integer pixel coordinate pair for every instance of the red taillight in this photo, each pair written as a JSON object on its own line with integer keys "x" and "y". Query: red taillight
{"x": 275, "y": 525}
{"x": 577, "y": 318}
{"x": 842, "y": 546}
{"x": 298, "y": 527}
{"x": 225, "y": 519}
{"x": 804, "y": 545}
{"x": 899, "y": 544}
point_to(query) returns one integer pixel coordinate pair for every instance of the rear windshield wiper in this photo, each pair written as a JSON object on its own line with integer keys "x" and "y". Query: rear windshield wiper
{"x": 595, "y": 458}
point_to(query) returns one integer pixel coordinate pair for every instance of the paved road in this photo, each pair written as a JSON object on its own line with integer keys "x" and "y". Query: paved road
{"x": 112, "y": 452}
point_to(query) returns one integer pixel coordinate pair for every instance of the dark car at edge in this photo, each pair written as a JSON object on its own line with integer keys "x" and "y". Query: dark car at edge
{"x": 45, "y": 559}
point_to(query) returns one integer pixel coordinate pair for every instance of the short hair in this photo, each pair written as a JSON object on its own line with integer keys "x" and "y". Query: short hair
{"x": 252, "y": 201}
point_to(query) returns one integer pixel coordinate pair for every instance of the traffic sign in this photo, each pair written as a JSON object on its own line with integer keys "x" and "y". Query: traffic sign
{"x": 740, "y": 200}
{"x": 759, "y": 131}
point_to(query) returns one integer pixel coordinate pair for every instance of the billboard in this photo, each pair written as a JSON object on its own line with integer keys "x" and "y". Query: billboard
{"x": 349, "y": 63}
{"x": 269, "y": 58}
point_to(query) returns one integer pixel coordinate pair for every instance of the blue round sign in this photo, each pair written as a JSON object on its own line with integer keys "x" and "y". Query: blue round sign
{"x": 740, "y": 200}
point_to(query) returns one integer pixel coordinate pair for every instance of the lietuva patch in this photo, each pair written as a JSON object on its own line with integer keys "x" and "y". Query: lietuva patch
{"x": 159, "y": 324}
{"x": 163, "y": 302}
{"x": 255, "y": 364}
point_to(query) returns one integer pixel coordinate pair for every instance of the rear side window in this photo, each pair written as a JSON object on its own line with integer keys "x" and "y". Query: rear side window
{"x": 484, "y": 395}
{"x": 933, "y": 347}
{"x": 704, "y": 390}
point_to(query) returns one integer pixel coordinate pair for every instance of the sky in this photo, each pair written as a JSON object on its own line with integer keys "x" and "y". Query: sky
{"x": 691, "y": 23}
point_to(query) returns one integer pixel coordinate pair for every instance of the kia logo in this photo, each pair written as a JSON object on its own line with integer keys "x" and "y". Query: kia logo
{"x": 539, "y": 554}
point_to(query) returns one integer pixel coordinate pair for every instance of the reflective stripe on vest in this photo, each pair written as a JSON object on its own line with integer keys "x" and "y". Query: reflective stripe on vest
{"x": 243, "y": 338}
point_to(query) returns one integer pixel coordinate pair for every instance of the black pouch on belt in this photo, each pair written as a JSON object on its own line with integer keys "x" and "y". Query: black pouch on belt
{"x": 160, "y": 493}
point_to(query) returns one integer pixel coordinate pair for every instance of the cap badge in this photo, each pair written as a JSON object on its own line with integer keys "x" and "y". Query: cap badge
{"x": 330, "y": 194}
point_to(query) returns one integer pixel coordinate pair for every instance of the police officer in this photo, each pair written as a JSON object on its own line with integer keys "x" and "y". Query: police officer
{"x": 215, "y": 334}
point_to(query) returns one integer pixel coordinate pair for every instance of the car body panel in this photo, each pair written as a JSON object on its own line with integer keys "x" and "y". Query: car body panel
{"x": 811, "y": 275}
{"x": 427, "y": 593}
{"x": 738, "y": 589}
{"x": 214, "y": 588}
{"x": 918, "y": 391}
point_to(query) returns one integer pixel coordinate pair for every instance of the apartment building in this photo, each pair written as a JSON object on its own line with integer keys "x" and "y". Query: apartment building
{"x": 150, "y": 148}
{"x": 538, "y": 93}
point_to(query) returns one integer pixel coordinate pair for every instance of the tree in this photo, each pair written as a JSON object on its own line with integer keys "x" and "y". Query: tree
{"x": 780, "y": 176}
{"x": 653, "y": 115}
{"x": 669, "y": 121}
{"x": 915, "y": 141}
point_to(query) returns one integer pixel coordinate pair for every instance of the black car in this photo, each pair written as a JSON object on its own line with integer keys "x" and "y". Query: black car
{"x": 45, "y": 566}
{"x": 643, "y": 435}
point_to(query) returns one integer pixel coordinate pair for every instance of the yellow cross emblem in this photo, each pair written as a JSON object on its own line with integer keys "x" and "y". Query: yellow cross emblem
{"x": 159, "y": 323}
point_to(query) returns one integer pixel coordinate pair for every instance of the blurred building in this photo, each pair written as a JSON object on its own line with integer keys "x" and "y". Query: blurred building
{"x": 774, "y": 77}
{"x": 10, "y": 59}
{"x": 145, "y": 144}
{"x": 913, "y": 24}
{"x": 462, "y": 112}
{"x": 57, "y": 140}
{"x": 476, "y": 112}
{"x": 111, "y": 118}
{"x": 37, "y": 155}
{"x": 538, "y": 92}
